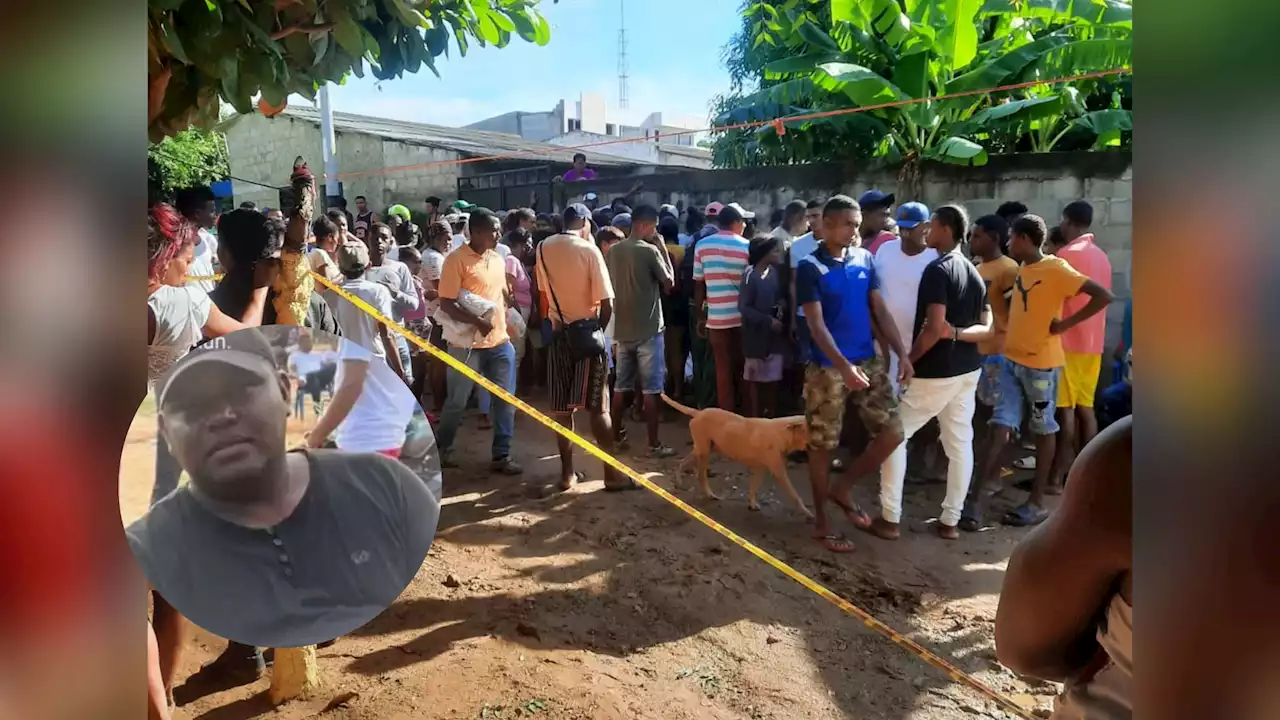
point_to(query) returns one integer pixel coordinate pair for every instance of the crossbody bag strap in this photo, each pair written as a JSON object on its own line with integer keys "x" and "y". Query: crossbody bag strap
{"x": 550, "y": 288}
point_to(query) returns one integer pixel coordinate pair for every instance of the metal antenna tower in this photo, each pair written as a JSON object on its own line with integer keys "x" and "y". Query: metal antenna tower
{"x": 624, "y": 101}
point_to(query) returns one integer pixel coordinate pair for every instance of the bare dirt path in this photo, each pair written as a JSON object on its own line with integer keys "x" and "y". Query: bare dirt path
{"x": 604, "y": 606}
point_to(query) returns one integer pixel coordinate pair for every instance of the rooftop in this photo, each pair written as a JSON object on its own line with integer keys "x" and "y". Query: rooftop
{"x": 472, "y": 143}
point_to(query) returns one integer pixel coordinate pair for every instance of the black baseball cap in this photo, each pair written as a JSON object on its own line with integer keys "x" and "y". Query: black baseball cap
{"x": 575, "y": 212}
{"x": 246, "y": 349}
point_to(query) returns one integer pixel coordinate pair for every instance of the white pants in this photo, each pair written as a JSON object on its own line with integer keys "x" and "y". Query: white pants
{"x": 951, "y": 400}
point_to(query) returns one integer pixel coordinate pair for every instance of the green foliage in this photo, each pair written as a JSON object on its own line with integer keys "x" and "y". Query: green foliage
{"x": 204, "y": 52}
{"x": 802, "y": 57}
{"x": 192, "y": 157}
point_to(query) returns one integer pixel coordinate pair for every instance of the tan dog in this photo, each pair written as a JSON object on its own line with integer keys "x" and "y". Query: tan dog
{"x": 759, "y": 443}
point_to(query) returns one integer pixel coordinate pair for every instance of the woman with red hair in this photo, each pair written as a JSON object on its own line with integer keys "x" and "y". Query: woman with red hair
{"x": 179, "y": 315}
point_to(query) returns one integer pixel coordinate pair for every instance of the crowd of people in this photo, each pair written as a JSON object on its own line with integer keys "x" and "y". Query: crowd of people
{"x": 903, "y": 314}
{"x": 895, "y": 314}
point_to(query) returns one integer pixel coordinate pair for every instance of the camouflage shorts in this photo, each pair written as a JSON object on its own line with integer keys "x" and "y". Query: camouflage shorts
{"x": 825, "y": 395}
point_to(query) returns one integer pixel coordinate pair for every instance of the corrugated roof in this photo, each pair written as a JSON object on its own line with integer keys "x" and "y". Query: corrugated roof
{"x": 472, "y": 143}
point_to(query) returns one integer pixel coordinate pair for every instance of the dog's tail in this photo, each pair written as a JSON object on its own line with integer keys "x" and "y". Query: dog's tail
{"x": 682, "y": 408}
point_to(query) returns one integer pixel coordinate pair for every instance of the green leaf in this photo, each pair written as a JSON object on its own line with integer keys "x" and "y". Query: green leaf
{"x": 1117, "y": 13}
{"x": 1106, "y": 125}
{"x": 995, "y": 71}
{"x": 488, "y": 27}
{"x": 437, "y": 41}
{"x": 957, "y": 31}
{"x": 319, "y": 46}
{"x": 814, "y": 35}
{"x": 1081, "y": 57}
{"x": 864, "y": 87}
{"x": 797, "y": 65}
{"x": 958, "y": 151}
{"x": 502, "y": 21}
{"x": 544, "y": 29}
{"x": 524, "y": 27}
{"x": 169, "y": 38}
{"x": 347, "y": 33}
{"x": 912, "y": 75}
{"x": 1016, "y": 113}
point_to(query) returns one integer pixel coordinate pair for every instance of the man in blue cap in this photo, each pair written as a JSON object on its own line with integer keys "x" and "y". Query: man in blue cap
{"x": 900, "y": 263}
{"x": 877, "y": 207}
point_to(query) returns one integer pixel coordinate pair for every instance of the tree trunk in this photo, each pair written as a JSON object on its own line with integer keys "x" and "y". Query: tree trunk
{"x": 294, "y": 674}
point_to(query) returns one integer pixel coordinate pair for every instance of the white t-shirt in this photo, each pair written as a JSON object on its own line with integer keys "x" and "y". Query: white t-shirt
{"x": 322, "y": 263}
{"x": 396, "y": 273}
{"x": 181, "y": 314}
{"x": 379, "y": 419}
{"x": 206, "y": 258}
{"x": 357, "y": 325}
{"x": 303, "y": 364}
{"x": 432, "y": 264}
{"x": 801, "y": 248}
{"x": 899, "y": 275}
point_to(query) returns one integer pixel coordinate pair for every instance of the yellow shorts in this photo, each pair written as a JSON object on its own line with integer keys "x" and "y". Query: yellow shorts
{"x": 1078, "y": 382}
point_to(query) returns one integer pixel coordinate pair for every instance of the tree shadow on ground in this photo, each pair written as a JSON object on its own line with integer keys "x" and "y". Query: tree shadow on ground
{"x": 643, "y": 574}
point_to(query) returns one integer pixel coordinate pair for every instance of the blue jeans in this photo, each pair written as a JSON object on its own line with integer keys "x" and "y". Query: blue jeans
{"x": 496, "y": 364}
{"x": 1018, "y": 385}
{"x": 167, "y": 471}
{"x": 402, "y": 346}
{"x": 648, "y": 357}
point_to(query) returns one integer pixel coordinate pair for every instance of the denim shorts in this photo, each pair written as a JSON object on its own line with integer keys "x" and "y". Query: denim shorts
{"x": 1018, "y": 386}
{"x": 648, "y": 356}
{"x": 989, "y": 380}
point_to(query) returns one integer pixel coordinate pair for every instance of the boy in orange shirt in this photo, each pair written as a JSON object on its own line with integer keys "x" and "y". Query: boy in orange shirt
{"x": 1029, "y": 372}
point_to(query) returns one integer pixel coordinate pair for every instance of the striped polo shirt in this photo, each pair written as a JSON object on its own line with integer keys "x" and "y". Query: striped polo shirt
{"x": 720, "y": 260}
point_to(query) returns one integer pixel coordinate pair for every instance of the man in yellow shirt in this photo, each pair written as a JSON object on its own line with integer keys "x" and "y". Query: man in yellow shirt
{"x": 1033, "y": 358}
{"x": 989, "y": 242}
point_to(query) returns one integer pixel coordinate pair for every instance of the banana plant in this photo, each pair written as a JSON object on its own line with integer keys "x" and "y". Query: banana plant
{"x": 930, "y": 72}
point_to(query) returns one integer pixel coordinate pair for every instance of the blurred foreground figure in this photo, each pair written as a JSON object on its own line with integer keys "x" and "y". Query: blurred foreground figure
{"x": 1066, "y": 608}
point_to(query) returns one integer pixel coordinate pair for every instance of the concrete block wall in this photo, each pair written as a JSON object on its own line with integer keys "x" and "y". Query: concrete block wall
{"x": 263, "y": 149}
{"x": 411, "y": 187}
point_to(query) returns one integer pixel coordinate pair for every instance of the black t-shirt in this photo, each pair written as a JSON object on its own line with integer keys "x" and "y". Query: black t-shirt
{"x": 355, "y": 540}
{"x": 953, "y": 281}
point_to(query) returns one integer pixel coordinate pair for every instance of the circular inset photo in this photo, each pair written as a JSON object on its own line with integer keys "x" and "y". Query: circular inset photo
{"x": 294, "y": 491}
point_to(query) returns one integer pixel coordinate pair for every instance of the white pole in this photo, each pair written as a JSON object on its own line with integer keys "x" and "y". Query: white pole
{"x": 328, "y": 146}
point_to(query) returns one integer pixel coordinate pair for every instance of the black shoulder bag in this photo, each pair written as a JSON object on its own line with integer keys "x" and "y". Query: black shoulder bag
{"x": 585, "y": 337}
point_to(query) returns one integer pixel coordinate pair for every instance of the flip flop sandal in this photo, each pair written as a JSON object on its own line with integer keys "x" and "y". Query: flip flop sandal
{"x": 1026, "y": 463}
{"x": 836, "y": 544}
{"x": 1025, "y": 515}
{"x": 864, "y": 520}
{"x": 623, "y": 487}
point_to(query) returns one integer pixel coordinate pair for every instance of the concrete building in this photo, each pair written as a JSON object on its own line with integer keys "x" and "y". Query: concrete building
{"x": 261, "y": 150}
{"x": 588, "y": 119}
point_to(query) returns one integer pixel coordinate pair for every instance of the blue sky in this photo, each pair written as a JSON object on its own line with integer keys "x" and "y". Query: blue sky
{"x": 581, "y": 57}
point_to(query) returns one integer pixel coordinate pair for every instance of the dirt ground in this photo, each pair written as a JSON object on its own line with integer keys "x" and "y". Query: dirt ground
{"x": 600, "y": 606}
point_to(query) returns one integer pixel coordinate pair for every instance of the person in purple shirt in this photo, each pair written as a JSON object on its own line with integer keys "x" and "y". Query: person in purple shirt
{"x": 580, "y": 170}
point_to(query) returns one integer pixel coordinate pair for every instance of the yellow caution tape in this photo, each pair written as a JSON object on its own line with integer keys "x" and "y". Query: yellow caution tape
{"x": 953, "y": 672}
